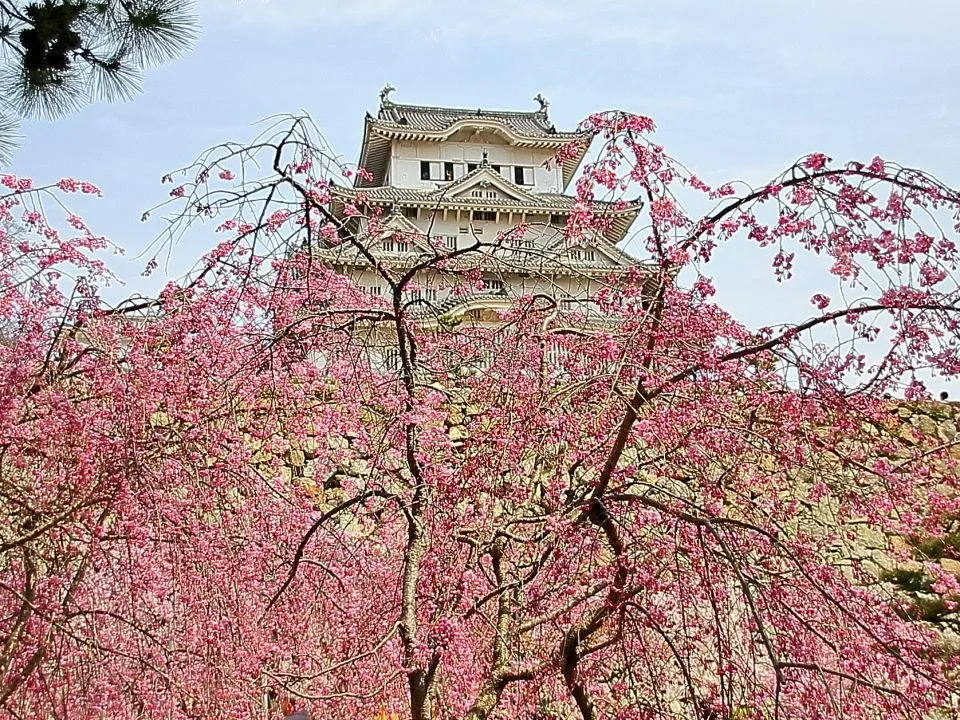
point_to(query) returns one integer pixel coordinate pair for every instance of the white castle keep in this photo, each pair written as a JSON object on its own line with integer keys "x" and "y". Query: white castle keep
{"x": 444, "y": 179}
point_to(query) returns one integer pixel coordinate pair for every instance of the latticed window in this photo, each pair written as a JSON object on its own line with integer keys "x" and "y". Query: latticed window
{"x": 393, "y": 244}
{"x": 429, "y": 294}
{"x": 391, "y": 358}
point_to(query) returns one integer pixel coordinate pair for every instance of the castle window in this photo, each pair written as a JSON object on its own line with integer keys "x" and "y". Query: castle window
{"x": 428, "y": 294}
{"x": 471, "y": 167}
{"x": 495, "y": 168}
{"x": 391, "y": 358}
{"x": 451, "y": 242}
{"x": 448, "y": 171}
{"x": 491, "y": 193}
{"x": 433, "y": 170}
{"x": 476, "y": 193}
{"x": 523, "y": 175}
{"x": 410, "y": 212}
{"x": 485, "y": 215}
{"x": 393, "y": 245}
{"x": 493, "y": 284}
{"x": 558, "y": 219}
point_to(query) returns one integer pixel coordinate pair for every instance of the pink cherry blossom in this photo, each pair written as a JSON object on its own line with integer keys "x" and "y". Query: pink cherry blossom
{"x": 269, "y": 488}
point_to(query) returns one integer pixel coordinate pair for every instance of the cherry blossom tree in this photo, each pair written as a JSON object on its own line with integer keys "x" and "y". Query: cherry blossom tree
{"x": 218, "y": 501}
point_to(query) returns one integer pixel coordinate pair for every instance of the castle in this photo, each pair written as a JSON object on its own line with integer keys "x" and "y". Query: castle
{"x": 444, "y": 179}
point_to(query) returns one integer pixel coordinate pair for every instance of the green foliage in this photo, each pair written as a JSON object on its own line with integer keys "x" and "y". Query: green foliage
{"x": 909, "y": 580}
{"x": 930, "y": 609}
{"x": 922, "y": 602}
{"x": 63, "y": 54}
{"x": 449, "y": 321}
{"x": 938, "y": 548}
{"x": 915, "y": 584}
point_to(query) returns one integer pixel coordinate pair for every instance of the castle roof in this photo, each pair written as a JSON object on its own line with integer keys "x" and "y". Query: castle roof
{"x": 545, "y": 262}
{"x": 512, "y": 199}
{"x": 527, "y": 124}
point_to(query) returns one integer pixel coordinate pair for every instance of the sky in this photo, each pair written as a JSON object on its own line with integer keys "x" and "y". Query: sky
{"x": 738, "y": 88}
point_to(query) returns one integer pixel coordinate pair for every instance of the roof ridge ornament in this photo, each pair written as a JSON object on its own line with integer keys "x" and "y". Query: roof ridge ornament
{"x": 542, "y": 102}
{"x": 385, "y": 94}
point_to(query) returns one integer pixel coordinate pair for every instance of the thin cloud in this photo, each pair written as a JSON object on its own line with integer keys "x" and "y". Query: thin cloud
{"x": 813, "y": 42}
{"x": 603, "y": 20}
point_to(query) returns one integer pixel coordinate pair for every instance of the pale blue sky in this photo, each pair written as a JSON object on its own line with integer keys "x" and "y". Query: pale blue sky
{"x": 738, "y": 88}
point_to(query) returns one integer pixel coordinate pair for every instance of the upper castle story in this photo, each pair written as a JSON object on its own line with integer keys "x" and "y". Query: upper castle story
{"x": 460, "y": 174}
{"x": 444, "y": 179}
{"x": 424, "y": 148}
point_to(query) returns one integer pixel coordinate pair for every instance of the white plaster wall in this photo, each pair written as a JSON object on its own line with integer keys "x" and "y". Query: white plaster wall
{"x": 432, "y": 287}
{"x": 404, "y": 163}
{"x": 460, "y": 224}
{"x": 464, "y": 227}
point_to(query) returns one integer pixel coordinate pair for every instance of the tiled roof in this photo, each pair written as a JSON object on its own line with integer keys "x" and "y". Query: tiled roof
{"x": 388, "y": 194}
{"x": 542, "y": 203}
{"x": 433, "y": 119}
{"x": 547, "y": 202}
{"x": 544, "y": 262}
